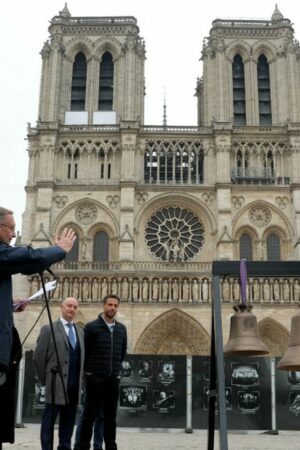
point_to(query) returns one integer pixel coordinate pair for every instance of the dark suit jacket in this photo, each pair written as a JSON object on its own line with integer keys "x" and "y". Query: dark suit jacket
{"x": 45, "y": 359}
{"x": 14, "y": 260}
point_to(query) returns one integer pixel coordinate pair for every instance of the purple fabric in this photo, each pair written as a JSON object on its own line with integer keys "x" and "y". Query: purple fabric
{"x": 243, "y": 280}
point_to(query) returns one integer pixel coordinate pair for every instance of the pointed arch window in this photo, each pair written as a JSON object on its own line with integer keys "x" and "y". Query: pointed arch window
{"x": 269, "y": 165}
{"x": 264, "y": 91}
{"x": 246, "y": 247}
{"x": 72, "y": 255}
{"x": 78, "y": 83}
{"x": 101, "y": 247}
{"x": 73, "y": 164}
{"x": 106, "y": 81}
{"x": 238, "y": 84}
{"x": 273, "y": 248}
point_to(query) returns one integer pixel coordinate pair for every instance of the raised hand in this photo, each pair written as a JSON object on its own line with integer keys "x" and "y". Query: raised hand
{"x": 66, "y": 239}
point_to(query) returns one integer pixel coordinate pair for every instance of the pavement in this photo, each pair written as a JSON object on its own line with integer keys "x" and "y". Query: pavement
{"x": 175, "y": 439}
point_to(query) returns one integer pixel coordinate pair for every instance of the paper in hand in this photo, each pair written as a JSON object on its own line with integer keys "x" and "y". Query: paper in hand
{"x": 48, "y": 287}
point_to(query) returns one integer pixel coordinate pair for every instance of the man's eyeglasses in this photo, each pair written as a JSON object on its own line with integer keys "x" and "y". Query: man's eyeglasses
{"x": 7, "y": 226}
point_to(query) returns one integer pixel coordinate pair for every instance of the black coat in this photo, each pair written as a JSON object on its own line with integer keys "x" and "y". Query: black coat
{"x": 14, "y": 260}
{"x": 104, "y": 350}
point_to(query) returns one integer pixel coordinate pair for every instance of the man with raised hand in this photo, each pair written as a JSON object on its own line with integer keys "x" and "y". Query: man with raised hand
{"x": 15, "y": 260}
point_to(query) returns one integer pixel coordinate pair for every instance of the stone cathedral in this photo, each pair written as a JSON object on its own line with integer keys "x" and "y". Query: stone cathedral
{"x": 153, "y": 206}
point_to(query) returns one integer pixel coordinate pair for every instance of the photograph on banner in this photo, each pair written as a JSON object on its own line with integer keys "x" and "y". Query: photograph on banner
{"x": 145, "y": 370}
{"x": 127, "y": 369}
{"x": 166, "y": 374}
{"x": 294, "y": 399}
{"x": 244, "y": 374}
{"x": 133, "y": 396}
{"x": 163, "y": 400}
{"x": 248, "y": 401}
{"x": 39, "y": 396}
{"x": 294, "y": 378}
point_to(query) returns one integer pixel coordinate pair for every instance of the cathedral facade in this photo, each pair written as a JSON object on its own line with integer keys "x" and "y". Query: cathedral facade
{"x": 153, "y": 206}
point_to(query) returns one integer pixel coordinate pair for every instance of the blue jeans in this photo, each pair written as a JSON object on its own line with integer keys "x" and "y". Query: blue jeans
{"x": 98, "y": 430}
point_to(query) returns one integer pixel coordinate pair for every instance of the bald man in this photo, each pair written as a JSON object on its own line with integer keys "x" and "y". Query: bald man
{"x": 70, "y": 346}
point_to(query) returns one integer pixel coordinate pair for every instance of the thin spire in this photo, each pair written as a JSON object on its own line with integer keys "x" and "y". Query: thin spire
{"x": 65, "y": 12}
{"x": 276, "y": 16}
{"x": 165, "y": 110}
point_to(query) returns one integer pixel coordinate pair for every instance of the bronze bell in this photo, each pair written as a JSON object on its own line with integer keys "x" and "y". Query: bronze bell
{"x": 244, "y": 339}
{"x": 291, "y": 358}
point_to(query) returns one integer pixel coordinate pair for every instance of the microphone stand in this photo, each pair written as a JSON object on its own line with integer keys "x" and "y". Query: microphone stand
{"x": 55, "y": 370}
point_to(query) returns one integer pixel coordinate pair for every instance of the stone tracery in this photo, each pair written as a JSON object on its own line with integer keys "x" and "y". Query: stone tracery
{"x": 174, "y": 234}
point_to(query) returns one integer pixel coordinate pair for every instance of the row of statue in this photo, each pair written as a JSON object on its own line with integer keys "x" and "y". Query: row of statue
{"x": 157, "y": 289}
{"x": 266, "y": 290}
{"x": 132, "y": 289}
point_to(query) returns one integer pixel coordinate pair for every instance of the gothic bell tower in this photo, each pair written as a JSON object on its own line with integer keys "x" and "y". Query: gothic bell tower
{"x": 93, "y": 71}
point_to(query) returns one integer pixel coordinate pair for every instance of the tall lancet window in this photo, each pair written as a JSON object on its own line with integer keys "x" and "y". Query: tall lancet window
{"x": 273, "y": 248}
{"x": 78, "y": 83}
{"x": 101, "y": 247}
{"x": 264, "y": 91}
{"x": 106, "y": 80}
{"x": 246, "y": 247}
{"x": 238, "y": 83}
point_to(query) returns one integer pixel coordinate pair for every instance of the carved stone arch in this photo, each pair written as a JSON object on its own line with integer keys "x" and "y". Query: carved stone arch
{"x": 68, "y": 215}
{"x": 288, "y": 233}
{"x": 101, "y": 226}
{"x": 266, "y": 48}
{"x": 186, "y": 201}
{"x": 238, "y": 47}
{"x": 105, "y": 44}
{"x": 174, "y": 333}
{"x": 246, "y": 229}
{"x": 79, "y": 44}
{"x": 276, "y": 230}
{"x": 274, "y": 335}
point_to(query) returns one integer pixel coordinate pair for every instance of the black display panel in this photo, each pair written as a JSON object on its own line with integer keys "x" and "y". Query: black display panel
{"x": 247, "y": 393}
{"x": 153, "y": 392}
{"x": 287, "y": 399}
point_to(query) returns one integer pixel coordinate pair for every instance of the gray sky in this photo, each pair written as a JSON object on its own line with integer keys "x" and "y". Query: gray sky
{"x": 173, "y": 31}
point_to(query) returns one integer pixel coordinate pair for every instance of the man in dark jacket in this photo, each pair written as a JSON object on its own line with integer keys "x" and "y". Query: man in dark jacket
{"x": 14, "y": 260}
{"x": 105, "y": 348}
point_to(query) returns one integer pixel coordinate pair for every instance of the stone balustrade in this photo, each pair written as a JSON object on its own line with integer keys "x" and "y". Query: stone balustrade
{"x": 143, "y": 288}
{"x": 197, "y": 268}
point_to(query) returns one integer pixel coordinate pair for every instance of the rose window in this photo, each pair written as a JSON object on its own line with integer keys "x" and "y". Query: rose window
{"x": 259, "y": 216}
{"x": 174, "y": 234}
{"x": 86, "y": 214}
